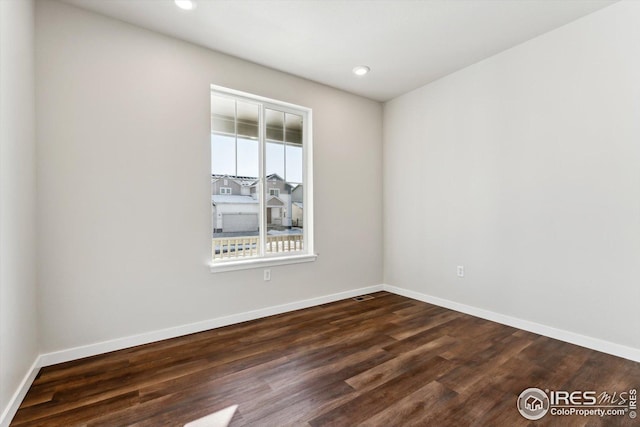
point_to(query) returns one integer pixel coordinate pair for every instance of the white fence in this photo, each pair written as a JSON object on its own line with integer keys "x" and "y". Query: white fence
{"x": 242, "y": 247}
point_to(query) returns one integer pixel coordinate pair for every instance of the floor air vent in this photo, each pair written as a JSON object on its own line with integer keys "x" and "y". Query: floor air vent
{"x": 362, "y": 298}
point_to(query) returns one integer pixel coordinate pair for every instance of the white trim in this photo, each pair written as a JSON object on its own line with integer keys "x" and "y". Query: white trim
{"x": 307, "y": 182}
{"x": 306, "y": 113}
{"x": 14, "y": 403}
{"x": 149, "y": 337}
{"x": 53, "y": 358}
{"x": 222, "y": 266}
{"x": 252, "y": 98}
{"x": 262, "y": 167}
{"x": 608, "y": 347}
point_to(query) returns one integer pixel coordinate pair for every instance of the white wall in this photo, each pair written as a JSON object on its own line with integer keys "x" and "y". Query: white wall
{"x": 525, "y": 168}
{"x": 124, "y": 182}
{"x": 18, "y": 322}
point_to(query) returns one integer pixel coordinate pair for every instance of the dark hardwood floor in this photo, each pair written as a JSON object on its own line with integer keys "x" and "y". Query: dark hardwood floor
{"x": 387, "y": 361}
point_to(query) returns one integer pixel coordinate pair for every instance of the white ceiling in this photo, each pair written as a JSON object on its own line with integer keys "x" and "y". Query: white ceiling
{"x": 407, "y": 43}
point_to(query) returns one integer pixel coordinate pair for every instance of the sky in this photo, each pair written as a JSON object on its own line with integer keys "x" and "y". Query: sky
{"x": 223, "y": 153}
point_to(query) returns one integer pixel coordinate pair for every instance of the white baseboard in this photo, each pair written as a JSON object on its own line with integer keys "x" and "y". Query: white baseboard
{"x": 21, "y": 392}
{"x": 131, "y": 341}
{"x": 537, "y": 328}
{"x": 53, "y": 358}
{"x": 75, "y": 353}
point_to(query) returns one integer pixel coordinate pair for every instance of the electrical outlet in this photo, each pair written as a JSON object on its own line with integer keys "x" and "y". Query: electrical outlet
{"x": 460, "y": 271}
{"x": 267, "y": 275}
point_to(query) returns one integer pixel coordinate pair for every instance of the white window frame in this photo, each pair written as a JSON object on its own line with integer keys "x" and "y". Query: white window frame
{"x": 274, "y": 192}
{"x": 264, "y": 259}
{"x": 225, "y": 190}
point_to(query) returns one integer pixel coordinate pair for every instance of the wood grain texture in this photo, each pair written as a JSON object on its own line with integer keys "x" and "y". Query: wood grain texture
{"x": 387, "y": 361}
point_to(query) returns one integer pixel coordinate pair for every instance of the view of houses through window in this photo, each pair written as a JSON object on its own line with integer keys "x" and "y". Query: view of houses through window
{"x": 257, "y": 178}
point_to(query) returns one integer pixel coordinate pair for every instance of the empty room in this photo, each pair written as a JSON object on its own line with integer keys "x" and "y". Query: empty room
{"x": 319, "y": 212}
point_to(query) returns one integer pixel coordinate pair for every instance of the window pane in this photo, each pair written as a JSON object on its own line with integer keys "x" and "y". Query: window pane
{"x": 274, "y": 150}
{"x": 275, "y": 125}
{"x": 234, "y": 172}
{"x": 247, "y": 144}
{"x": 223, "y": 154}
{"x": 294, "y": 164}
{"x": 275, "y": 159}
{"x": 293, "y": 150}
{"x": 223, "y": 112}
{"x": 294, "y": 170}
{"x": 247, "y": 120}
{"x": 294, "y": 129}
{"x": 284, "y": 139}
{"x": 248, "y": 156}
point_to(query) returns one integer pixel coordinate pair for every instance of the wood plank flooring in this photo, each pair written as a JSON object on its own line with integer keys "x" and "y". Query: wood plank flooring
{"x": 387, "y": 361}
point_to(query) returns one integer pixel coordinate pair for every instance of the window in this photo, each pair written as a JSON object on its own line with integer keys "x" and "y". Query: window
{"x": 264, "y": 146}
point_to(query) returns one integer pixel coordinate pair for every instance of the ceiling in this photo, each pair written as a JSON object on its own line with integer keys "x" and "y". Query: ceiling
{"x": 407, "y": 43}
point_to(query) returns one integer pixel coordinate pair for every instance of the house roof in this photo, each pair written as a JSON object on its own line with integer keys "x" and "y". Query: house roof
{"x": 241, "y": 178}
{"x": 248, "y": 181}
{"x": 274, "y": 201}
{"x": 219, "y": 199}
{"x": 275, "y": 176}
{"x": 245, "y": 181}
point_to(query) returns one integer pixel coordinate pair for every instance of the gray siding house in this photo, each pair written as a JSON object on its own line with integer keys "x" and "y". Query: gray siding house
{"x": 235, "y": 205}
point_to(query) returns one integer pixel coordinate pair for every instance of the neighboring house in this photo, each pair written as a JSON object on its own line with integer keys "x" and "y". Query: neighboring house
{"x": 235, "y": 213}
{"x": 278, "y": 200}
{"x": 236, "y": 207}
{"x": 236, "y": 185}
{"x": 297, "y": 209}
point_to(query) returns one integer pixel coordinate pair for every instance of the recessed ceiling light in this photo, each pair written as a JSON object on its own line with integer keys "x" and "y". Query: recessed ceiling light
{"x": 361, "y": 70}
{"x": 185, "y": 4}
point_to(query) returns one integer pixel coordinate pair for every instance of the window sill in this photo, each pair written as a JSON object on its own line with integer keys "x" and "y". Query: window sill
{"x": 219, "y": 267}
